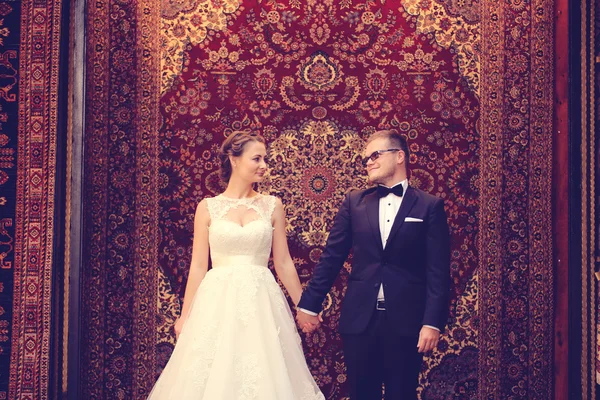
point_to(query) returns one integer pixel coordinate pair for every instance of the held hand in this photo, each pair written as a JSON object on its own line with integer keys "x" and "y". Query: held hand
{"x": 308, "y": 323}
{"x": 428, "y": 339}
{"x": 178, "y": 326}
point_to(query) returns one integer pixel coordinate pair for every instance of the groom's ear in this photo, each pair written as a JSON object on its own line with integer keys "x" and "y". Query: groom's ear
{"x": 401, "y": 157}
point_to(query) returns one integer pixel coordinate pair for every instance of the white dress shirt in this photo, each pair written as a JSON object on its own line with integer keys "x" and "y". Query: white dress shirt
{"x": 388, "y": 208}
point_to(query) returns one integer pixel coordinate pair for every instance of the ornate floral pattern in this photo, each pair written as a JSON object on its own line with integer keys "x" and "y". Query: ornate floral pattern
{"x": 517, "y": 282}
{"x": 170, "y": 309}
{"x": 316, "y": 78}
{"x": 121, "y": 196}
{"x": 453, "y": 365}
{"x": 311, "y": 160}
{"x": 454, "y": 26}
{"x": 10, "y": 14}
{"x": 186, "y": 24}
{"x": 37, "y": 33}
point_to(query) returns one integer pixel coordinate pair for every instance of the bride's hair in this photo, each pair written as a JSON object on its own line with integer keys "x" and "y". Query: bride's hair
{"x": 234, "y": 145}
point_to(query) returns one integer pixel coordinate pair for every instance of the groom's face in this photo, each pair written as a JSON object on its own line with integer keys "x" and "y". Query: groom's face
{"x": 384, "y": 167}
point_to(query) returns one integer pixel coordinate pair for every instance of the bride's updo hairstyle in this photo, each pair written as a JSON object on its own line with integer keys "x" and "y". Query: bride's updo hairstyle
{"x": 234, "y": 146}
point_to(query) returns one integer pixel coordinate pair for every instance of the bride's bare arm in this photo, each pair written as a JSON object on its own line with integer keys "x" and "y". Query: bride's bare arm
{"x": 284, "y": 266}
{"x": 199, "y": 263}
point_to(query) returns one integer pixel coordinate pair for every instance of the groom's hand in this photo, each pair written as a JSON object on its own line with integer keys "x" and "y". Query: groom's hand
{"x": 308, "y": 323}
{"x": 428, "y": 339}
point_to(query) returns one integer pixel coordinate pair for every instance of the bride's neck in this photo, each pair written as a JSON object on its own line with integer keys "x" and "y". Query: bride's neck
{"x": 239, "y": 190}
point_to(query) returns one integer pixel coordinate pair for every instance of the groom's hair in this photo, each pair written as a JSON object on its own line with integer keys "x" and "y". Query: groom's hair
{"x": 395, "y": 139}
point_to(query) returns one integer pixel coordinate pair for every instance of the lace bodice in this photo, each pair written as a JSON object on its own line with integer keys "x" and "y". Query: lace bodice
{"x": 233, "y": 244}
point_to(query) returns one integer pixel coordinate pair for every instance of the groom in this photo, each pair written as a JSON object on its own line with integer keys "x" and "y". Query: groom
{"x": 397, "y": 299}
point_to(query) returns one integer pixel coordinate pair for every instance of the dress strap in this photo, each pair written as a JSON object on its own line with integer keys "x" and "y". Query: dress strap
{"x": 271, "y": 202}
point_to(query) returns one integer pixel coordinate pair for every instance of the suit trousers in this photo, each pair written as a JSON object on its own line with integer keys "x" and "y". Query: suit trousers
{"x": 379, "y": 356}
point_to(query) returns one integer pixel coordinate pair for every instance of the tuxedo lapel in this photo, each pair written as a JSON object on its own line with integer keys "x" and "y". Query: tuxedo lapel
{"x": 407, "y": 204}
{"x": 372, "y": 204}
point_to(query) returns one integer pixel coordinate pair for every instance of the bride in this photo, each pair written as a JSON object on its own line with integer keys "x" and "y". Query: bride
{"x": 236, "y": 336}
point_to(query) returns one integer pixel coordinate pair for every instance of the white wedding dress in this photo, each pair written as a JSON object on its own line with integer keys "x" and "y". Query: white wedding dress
{"x": 240, "y": 340}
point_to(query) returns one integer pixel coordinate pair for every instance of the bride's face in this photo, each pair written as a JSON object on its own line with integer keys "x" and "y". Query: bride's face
{"x": 251, "y": 165}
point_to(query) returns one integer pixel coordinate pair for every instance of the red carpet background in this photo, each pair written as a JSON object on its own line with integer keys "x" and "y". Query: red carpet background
{"x": 29, "y": 67}
{"x": 9, "y": 139}
{"x": 470, "y": 86}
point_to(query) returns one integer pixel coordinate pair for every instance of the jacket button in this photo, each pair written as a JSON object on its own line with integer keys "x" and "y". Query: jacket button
{"x": 376, "y": 285}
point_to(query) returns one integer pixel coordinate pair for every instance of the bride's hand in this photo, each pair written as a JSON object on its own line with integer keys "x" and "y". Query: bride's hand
{"x": 178, "y": 326}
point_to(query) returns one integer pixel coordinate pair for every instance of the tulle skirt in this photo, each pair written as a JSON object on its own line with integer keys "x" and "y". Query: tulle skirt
{"x": 240, "y": 342}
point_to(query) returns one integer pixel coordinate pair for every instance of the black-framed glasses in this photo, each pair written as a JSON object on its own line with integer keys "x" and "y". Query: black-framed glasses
{"x": 375, "y": 155}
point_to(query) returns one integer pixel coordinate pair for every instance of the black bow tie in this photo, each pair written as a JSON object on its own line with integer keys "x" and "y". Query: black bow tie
{"x": 383, "y": 191}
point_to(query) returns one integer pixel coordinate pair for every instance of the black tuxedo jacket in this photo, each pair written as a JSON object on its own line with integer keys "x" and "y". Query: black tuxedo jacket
{"x": 414, "y": 267}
